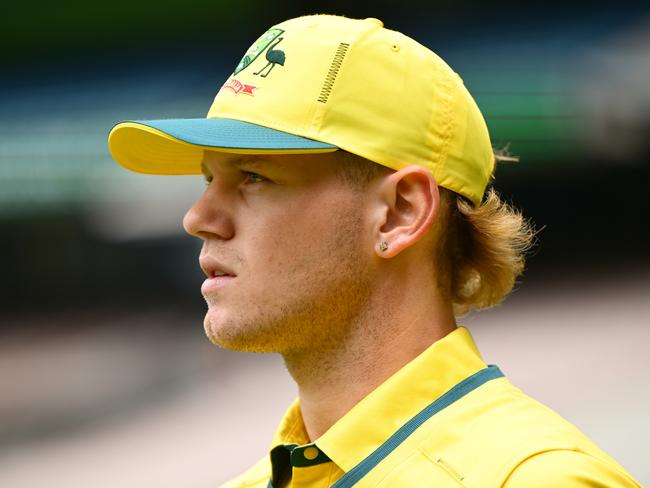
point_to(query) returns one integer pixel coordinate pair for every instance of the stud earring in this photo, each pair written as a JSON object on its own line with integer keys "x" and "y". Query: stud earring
{"x": 383, "y": 245}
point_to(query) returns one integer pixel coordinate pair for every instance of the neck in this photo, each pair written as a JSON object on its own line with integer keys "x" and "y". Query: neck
{"x": 392, "y": 331}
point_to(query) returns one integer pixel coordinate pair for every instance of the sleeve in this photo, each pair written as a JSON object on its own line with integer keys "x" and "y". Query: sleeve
{"x": 568, "y": 469}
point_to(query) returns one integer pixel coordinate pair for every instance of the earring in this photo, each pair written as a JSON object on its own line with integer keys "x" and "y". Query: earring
{"x": 383, "y": 245}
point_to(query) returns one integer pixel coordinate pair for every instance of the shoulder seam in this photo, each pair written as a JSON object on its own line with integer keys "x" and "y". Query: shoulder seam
{"x": 623, "y": 473}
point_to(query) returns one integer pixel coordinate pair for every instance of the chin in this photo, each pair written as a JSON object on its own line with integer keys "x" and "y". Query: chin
{"x": 234, "y": 337}
{"x": 214, "y": 330}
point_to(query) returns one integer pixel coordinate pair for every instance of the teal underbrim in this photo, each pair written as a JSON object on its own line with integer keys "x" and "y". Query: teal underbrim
{"x": 175, "y": 146}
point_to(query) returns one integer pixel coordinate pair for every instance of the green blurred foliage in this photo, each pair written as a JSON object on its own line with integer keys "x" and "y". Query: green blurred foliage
{"x": 37, "y": 29}
{"x": 45, "y": 28}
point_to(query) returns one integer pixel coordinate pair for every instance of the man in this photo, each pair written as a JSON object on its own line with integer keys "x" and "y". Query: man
{"x": 345, "y": 225}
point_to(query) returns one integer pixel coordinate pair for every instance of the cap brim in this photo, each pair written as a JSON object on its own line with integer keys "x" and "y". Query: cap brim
{"x": 175, "y": 146}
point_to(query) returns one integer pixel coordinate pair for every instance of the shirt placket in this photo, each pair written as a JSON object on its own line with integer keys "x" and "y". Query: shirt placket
{"x": 310, "y": 467}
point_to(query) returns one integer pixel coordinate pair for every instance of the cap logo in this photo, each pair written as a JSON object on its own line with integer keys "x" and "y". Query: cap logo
{"x": 239, "y": 87}
{"x": 266, "y": 42}
{"x": 273, "y": 56}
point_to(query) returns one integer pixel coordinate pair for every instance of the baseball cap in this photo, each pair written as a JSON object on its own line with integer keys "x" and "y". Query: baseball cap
{"x": 319, "y": 83}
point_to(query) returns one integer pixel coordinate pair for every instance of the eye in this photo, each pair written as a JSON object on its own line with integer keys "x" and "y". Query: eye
{"x": 208, "y": 180}
{"x": 251, "y": 177}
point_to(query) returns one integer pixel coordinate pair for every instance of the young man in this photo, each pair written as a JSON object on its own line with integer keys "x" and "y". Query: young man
{"x": 345, "y": 225}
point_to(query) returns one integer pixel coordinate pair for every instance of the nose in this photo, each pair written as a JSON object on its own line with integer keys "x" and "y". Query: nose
{"x": 210, "y": 216}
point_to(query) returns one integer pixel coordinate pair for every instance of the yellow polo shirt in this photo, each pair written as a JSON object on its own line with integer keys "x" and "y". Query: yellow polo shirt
{"x": 445, "y": 419}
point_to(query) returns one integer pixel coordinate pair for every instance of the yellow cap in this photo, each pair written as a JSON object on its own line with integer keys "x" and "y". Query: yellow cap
{"x": 318, "y": 83}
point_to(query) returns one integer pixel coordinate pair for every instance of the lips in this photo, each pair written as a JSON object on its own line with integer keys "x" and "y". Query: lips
{"x": 211, "y": 285}
{"x": 214, "y": 269}
{"x": 217, "y": 274}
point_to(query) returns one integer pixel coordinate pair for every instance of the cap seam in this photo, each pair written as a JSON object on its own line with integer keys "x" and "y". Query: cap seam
{"x": 440, "y": 164}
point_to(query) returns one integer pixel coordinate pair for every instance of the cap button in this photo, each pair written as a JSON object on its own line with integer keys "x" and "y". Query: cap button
{"x": 375, "y": 21}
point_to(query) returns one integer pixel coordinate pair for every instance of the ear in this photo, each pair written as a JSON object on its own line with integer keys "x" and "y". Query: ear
{"x": 410, "y": 202}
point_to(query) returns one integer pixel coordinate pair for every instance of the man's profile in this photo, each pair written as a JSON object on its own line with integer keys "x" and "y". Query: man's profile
{"x": 347, "y": 222}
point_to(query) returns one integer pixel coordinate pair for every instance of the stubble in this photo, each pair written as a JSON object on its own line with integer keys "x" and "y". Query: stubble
{"x": 318, "y": 298}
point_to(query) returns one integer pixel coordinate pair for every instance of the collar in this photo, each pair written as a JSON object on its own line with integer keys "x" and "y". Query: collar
{"x": 424, "y": 379}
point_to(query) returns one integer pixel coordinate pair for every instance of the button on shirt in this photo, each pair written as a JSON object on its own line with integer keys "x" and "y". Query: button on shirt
{"x": 445, "y": 419}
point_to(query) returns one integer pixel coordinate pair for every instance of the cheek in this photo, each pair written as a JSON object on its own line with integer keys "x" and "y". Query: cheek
{"x": 325, "y": 240}
{"x": 310, "y": 228}
{"x": 304, "y": 237}
{"x": 295, "y": 239}
{"x": 272, "y": 243}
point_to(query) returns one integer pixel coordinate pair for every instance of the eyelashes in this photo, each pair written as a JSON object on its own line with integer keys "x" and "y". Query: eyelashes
{"x": 253, "y": 177}
{"x": 249, "y": 178}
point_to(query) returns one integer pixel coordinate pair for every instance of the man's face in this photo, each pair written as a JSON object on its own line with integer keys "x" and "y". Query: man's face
{"x": 295, "y": 240}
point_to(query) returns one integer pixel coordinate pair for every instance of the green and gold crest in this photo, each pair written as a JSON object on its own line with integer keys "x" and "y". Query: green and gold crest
{"x": 257, "y": 48}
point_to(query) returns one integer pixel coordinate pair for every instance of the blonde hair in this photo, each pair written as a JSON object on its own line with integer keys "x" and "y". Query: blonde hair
{"x": 479, "y": 251}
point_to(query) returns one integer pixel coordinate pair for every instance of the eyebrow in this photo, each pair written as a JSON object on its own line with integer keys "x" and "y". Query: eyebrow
{"x": 247, "y": 159}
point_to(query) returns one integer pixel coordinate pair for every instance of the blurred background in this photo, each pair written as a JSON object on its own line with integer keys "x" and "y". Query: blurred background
{"x": 106, "y": 378}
